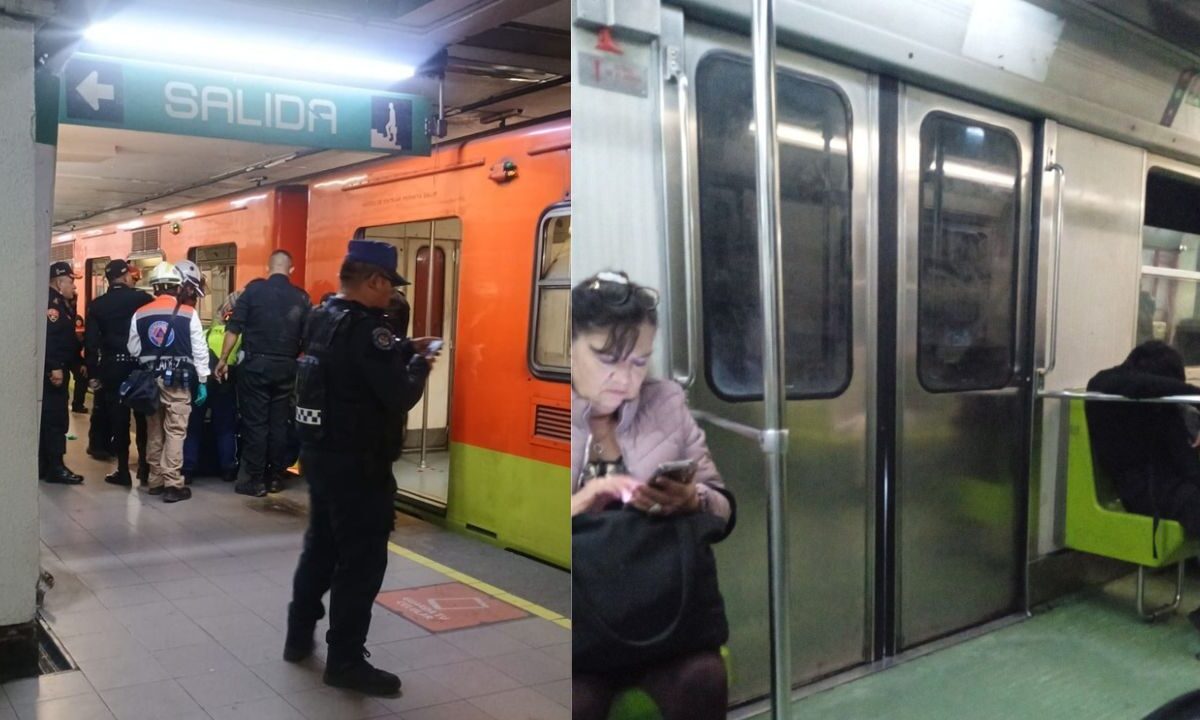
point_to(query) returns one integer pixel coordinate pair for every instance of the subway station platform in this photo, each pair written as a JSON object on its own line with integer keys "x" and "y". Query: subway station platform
{"x": 178, "y": 612}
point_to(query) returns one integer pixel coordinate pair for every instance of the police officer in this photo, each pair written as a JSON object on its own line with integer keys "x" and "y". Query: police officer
{"x": 62, "y": 354}
{"x": 106, "y": 344}
{"x": 355, "y": 378}
{"x": 269, "y": 318}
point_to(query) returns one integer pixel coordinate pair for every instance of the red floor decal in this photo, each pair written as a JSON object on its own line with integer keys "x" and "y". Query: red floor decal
{"x": 451, "y": 606}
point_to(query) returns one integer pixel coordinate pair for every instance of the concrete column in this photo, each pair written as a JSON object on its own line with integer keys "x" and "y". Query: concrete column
{"x": 22, "y": 317}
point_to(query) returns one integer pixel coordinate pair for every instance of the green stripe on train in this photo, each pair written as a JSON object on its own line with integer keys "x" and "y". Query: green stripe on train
{"x": 525, "y": 503}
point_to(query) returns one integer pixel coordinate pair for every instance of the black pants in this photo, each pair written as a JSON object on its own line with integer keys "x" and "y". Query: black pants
{"x": 345, "y": 548}
{"x": 52, "y": 436}
{"x": 264, "y": 386}
{"x": 117, "y": 414}
{"x": 100, "y": 431}
{"x": 79, "y": 392}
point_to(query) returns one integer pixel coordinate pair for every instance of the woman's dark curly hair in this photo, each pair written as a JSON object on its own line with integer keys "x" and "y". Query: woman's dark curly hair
{"x": 611, "y": 301}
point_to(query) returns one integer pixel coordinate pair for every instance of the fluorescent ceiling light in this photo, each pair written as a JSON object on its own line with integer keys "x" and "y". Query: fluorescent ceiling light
{"x": 975, "y": 173}
{"x": 243, "y": 202}
{"x": 67, "y": 237}
{"x": 94, "y": 233}
{"x": 805, "y": 138}
{"x": 341, "y": 182}
{"x": 181, "y": 215}
{"x": 131, "y": 225}
{"x": 176, "y": 42}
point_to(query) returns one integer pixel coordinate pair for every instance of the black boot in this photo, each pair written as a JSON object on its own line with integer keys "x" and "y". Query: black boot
{"x": 143, "y": 473}
{"x": 72, "y": 473}
{"x": 62, "y": 476}
{"x": 299, "y": 643}
{"x": 253, "y": 487}
{"x": 361, "y": 676}
{"x": 229, "y": 475}
{"x": 119, "y": 477}
{"x": 275, "y": 484}
{"x": 174, "y": 494}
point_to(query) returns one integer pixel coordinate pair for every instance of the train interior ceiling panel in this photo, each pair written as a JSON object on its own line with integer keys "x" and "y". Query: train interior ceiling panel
{"x": 468, "y": 219}
{"x": 982, "y": 205}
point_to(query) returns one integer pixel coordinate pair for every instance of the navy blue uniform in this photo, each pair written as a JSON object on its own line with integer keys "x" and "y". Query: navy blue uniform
{"x": 106, "y": 351}
{"x": 62, "y": 354}
{"x": 269, "y": 316}
{"x": 356, "y": 380}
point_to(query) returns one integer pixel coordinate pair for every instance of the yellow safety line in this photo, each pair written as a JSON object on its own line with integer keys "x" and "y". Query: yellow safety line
{"x": 481, "y": 586}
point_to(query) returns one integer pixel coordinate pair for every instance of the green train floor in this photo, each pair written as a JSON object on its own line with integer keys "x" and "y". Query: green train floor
{"x": 1089, "y": 656}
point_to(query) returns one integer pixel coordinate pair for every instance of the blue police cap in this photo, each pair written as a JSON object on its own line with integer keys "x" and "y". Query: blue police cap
{"x": 379, "y": 254}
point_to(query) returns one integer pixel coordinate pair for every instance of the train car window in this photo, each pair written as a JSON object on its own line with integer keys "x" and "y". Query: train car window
{"x": 1168, "y": 297}
{"x": 967, "y": 255}
{"x": 217, "y": 264}
{"x": 97, "y": 284}
{"x": 814, "y": 171}
{"x": 145, "y": 262}
{"x": 550, "y": 340}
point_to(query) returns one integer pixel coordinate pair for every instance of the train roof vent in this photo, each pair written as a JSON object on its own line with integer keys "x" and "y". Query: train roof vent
{"x": 62, "y": 251}
{"x": 552, "y": 423}
{"x": 145, "y": 240}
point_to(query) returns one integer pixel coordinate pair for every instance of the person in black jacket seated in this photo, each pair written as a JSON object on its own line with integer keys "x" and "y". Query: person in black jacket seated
{"x": 1146, "y": 448}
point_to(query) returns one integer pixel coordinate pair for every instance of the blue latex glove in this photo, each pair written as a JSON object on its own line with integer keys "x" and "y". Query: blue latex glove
{"x": 201, "y": 395}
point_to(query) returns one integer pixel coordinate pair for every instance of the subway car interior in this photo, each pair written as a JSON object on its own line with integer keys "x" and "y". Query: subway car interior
{"x": 980, "y": 206}
{"x": 221, "y": 133}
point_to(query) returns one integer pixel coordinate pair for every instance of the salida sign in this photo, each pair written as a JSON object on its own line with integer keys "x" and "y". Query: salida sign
{"x": 185, "y": 101}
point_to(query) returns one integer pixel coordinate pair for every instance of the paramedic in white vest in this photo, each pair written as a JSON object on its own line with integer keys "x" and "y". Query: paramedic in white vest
{"x": 171, "y": 327}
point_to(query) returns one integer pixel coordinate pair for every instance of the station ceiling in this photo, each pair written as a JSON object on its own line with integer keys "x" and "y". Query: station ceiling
{"x": 493, "y": 48}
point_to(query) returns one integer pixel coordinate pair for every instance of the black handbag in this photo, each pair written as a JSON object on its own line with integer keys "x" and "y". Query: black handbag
{"x": 643, "y": 589}
{"x": 139, "y": 391}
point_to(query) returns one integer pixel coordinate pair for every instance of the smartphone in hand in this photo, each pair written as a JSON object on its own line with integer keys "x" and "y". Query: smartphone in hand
{"x": 428, "y": 346}
{"x": 681, "y": 471}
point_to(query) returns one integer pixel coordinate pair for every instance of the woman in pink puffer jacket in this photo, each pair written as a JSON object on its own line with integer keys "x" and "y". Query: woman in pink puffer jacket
{"x": 624, "y": 426}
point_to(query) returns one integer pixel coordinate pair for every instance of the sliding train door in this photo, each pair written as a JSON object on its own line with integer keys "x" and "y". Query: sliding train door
{"x": 825, "y": 132}
{"x": 962, "y": 262}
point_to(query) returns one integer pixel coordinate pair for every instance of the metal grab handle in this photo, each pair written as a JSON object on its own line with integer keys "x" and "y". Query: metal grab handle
{"x": 1052, "y": 326}
{"x": 688, "y": 201}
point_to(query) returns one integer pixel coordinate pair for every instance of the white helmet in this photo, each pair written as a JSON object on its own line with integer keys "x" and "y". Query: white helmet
{"x": 164, "y": 274}
{"x": 190, "y": 274}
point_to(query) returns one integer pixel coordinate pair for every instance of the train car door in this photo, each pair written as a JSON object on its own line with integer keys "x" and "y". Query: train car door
{"x": 826, "y": 125}
{"x": 217, "y": 265}
{"x": 429, "y": 261}
{"x": 964, "y": 233}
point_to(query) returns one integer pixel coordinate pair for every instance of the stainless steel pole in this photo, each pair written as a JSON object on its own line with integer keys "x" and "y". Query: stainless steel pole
{"x": 428, "y": 329}
{"x": 774, "y": 435}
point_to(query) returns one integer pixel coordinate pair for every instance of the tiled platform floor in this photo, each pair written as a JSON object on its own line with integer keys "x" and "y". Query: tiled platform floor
{"x": 175, "y": 612}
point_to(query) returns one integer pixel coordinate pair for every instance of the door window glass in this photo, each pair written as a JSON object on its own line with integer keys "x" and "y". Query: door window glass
{"x": 217, "y": 264}
{"x": 551, "y": 336}
{"x": 97, "y": 283}
{"x": 814, "y": 175}
{"x": 967, "y": 255}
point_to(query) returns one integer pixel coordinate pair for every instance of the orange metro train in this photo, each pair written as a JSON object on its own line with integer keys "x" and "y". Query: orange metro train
{"x": 483, "y": 230}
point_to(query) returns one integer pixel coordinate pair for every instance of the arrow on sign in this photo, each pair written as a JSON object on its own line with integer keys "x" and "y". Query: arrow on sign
{"x": 93, "y": 91}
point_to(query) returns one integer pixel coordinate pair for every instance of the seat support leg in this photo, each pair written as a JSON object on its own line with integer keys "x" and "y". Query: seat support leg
{"x": 1155, "y": 613}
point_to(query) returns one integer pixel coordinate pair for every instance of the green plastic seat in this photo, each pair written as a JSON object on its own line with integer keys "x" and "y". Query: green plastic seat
{"x": 1097, "y": 523}
{"x": 634, "y": 704}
